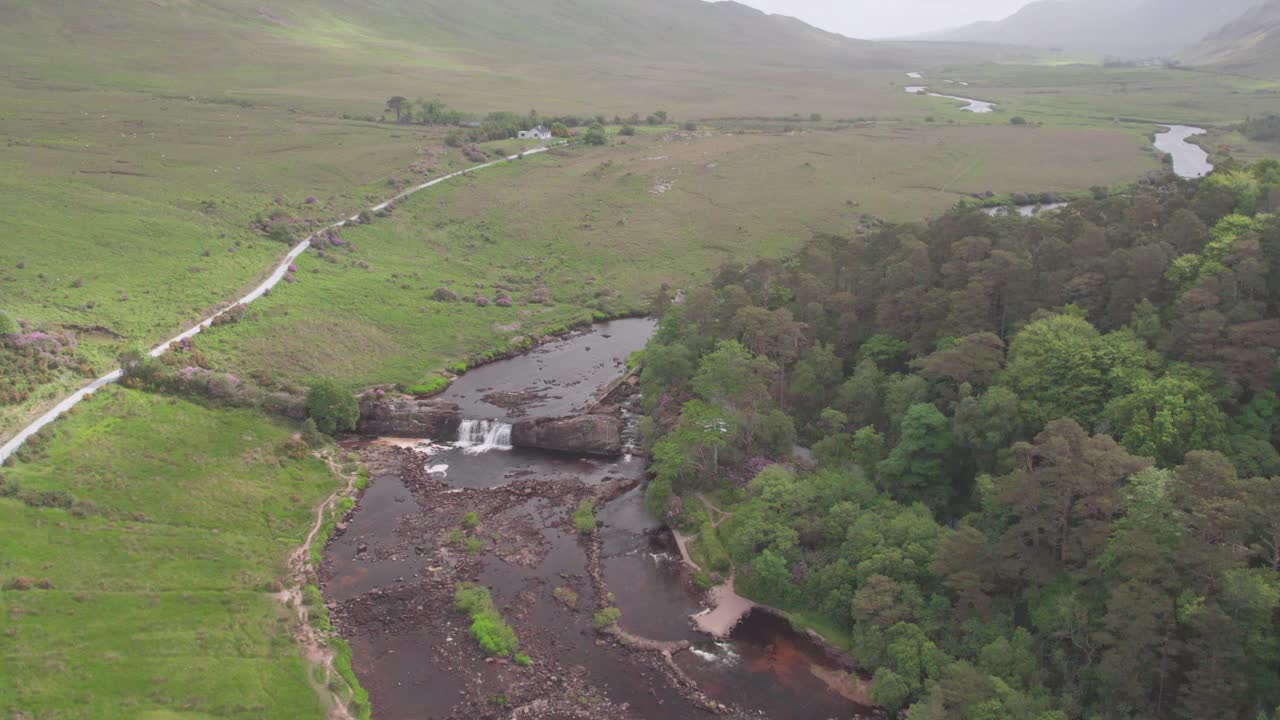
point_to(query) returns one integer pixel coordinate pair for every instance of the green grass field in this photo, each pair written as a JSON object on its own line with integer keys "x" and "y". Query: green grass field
{"x": 602, "y": 228}
{"x": 158, "y": 577}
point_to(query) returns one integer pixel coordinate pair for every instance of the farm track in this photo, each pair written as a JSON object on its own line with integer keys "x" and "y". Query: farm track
{"x": 281, "y": 268}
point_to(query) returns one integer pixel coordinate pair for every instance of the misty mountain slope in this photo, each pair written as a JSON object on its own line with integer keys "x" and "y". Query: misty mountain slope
{"x": 1250, "y": 45}
{"x": 1121, "y": 28}
{"x": 260, "y": 43}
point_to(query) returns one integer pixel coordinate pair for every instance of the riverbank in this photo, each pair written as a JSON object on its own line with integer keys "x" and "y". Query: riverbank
{"x": 600, "y": 613}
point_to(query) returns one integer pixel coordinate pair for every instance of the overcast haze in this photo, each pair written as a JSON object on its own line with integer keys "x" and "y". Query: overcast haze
{"x": 888, "y": 18}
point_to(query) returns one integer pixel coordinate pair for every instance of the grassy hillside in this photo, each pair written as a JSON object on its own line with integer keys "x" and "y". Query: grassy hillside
{"x": 1250, "y": 45}
{"x": 137, "y": 560}
{"x": 486, "y": 54}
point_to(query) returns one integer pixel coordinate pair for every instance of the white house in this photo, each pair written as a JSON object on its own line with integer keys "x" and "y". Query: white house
{"x": 542, "y": 132}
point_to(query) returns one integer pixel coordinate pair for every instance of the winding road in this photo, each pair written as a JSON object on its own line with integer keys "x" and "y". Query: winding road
{"x": 10, "y": 447}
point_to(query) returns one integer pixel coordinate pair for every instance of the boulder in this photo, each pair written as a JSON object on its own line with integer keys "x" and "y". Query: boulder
{"x": 580, "y": 434}
{"x": 408, "y": 417}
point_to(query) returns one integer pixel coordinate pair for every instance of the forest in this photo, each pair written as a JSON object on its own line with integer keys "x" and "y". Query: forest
{"x": 1024, "y": 468}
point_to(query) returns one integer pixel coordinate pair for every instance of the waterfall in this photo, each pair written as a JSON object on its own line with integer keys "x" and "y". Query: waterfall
{"x": 481, "y": 436}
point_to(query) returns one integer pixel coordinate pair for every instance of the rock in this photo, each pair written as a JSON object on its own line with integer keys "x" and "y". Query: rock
{"x": 582, "y": 434}
{"x": 407, "y": 417}
{"x": 482, "y": 301}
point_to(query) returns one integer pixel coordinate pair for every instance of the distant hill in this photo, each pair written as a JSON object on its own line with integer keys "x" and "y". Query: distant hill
{"x": 492, "y": 48}
{"x": 1118, "y": 28}
{"x": 1250, "y": 45}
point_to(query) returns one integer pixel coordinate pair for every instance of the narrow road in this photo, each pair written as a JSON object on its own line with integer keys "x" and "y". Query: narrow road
{"x": 10, "y": 447}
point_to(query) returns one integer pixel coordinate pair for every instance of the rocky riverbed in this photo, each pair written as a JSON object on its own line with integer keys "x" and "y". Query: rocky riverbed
{"x": 390, "y": 573}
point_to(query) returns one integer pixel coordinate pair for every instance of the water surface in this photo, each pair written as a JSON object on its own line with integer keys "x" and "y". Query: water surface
{"x": 1189, "y": 160}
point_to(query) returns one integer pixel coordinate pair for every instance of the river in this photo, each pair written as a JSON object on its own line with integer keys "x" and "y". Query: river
{"x": 1189, "y": 160}
{"x": 389, "y": 573}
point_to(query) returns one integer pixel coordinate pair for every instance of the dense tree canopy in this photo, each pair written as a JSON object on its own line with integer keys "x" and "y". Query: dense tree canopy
{"x": 1043, "y": 477}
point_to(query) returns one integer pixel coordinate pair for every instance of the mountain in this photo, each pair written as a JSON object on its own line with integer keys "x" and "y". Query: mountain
{"x": 494, "y": 47}
{"x": 1118, "y": 28}
{"x": 1250, "y": 45}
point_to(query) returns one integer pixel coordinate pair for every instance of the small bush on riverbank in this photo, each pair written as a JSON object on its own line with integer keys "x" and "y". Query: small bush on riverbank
{"x": 606, "y": 617}
{"x": 332, "y": 407}
{"x": 566, "y": 595}
{"x": 433, "y": 385}
{"x": 584, "y": 518}
{"x": 495, "y": 637}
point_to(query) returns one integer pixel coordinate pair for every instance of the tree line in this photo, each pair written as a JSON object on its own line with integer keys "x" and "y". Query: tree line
{"x": 1043, "y": 480}
{"x": 503, "y": 125}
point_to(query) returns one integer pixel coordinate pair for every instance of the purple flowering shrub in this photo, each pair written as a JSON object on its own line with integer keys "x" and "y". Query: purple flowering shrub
{"x": 30, "y": 358}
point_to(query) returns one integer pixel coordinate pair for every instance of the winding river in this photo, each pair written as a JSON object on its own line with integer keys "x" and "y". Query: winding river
{"x": 387, "y": 557}
{"x": 1189, "y": 160}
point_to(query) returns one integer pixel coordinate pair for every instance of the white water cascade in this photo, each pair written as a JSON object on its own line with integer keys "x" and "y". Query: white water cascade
{"x": 481, "y": 436}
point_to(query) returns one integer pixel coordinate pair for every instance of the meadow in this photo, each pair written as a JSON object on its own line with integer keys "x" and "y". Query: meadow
{"x": 603, "y": 228}
{"x": 137, "y": 560}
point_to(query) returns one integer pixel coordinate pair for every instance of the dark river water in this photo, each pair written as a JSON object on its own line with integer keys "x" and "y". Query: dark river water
{"x": 764, "y": 666}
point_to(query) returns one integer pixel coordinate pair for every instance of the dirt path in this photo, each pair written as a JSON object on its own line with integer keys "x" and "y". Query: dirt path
{"x": 315, "y": 649}
{"x": 70, "y": 401}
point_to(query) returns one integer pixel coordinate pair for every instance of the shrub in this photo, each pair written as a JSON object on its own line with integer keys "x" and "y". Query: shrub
{"x": 7, "y": 324}
{"x": 431, "y": 386}
{"x": 584, "y": 518}
{"x": 332, "y": 407}
{"x": 606, "y": 617}
{"x": 1017, "y": 120}
{"x": 311, "y": 433}
{"x": 596, "y": 136}
{"x": 494, "y": 636}
{"x": 627, "y": 130}
{"x": 566, "y": 595}
{"x": 470, "y": 520}
{"x": 444, "y": 295}
{"x": 473, "y": 546}
{"x": 523, "y": 660}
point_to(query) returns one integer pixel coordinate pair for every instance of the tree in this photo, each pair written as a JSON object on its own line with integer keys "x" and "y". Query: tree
{"x": 7, "y": 324}
{"x": 986, "y": 424}
{"x": 729, "y": 376}
{"x": 1062, "y": 367}
{"x": 1166, "y": 418}
{"x": 595, "y": 135}
{"x": 1064, "y": 497}
{"x": 861, "y": 397}
{"x": 332, "y": 406}
{"x": 914, "y": 472}
{"x": 973, "y": 359}
{"x": 666, "y": 367}
{"x": 397, "y": 105}
{"x": 662, "y": 116}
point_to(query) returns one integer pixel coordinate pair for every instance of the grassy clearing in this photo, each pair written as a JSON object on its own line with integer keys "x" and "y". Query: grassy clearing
{"x": 158, "y": 582}
{"x": 1091, "y": 95}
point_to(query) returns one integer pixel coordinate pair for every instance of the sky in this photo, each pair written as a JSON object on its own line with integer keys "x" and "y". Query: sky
{"x": 888, "y": 18}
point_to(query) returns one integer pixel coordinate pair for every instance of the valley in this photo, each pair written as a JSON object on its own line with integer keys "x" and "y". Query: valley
{"x": 324, "y": 394}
